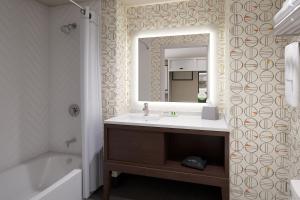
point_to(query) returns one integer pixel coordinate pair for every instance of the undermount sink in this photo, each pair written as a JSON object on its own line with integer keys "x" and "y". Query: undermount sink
{"x": 142, "y": 117}
{"x": 162, "y": 120}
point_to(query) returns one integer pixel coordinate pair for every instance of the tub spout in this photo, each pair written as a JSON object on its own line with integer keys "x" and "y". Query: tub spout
{"x": 69, "y": 142}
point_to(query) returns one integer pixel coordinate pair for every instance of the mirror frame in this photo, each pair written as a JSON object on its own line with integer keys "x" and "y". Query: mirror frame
{"x": 137, "y": 105}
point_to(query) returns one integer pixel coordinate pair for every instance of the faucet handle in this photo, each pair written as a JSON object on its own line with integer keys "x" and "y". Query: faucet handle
{"x": 146, "y": 109}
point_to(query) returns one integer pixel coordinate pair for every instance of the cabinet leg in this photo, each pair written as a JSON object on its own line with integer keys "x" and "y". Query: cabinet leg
{"x": 106, "y": 184}
{"x": 225, "y": 193}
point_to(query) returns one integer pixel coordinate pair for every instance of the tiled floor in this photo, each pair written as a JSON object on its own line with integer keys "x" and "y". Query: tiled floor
{"x": 144, "y": 188}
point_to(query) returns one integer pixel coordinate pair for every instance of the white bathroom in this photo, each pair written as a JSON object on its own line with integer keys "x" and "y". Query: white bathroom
{"x": 42, "y": 96}
{"x": 149, "y": 99}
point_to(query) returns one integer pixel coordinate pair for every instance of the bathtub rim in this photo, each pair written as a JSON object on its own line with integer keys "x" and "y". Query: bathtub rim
{"x": 58, "y": 183}
{"x": 40, "y": 156}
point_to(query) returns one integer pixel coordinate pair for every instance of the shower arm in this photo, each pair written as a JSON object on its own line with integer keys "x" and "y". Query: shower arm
{"x": 82, "y": 10}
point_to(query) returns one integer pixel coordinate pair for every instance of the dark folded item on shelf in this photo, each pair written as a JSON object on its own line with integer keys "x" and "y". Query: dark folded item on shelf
{"x": 194, "y": 162}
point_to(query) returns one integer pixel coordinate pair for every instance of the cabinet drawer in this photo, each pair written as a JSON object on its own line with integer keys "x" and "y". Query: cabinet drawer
{"x": 136, "y": 146}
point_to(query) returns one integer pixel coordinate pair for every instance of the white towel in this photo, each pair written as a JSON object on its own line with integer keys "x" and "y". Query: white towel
{"x": 292, "y": 75}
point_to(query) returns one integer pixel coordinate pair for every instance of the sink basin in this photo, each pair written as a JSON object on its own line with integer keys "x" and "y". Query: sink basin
{"x": 141, "y": 117}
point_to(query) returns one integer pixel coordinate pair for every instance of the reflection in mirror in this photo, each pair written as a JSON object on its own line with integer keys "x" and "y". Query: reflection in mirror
{"x": 174, "y": 68}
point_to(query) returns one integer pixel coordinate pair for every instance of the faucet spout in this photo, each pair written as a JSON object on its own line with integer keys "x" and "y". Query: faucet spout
{"x": 146, "y": 109}
{"x": 69, "y": 142}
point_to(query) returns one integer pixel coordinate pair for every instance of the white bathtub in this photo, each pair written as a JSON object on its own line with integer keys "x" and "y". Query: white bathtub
{"x": 51, "y": 176}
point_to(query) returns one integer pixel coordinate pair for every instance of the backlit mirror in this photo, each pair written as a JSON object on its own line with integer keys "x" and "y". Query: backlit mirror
{"x": 173, "y": 68}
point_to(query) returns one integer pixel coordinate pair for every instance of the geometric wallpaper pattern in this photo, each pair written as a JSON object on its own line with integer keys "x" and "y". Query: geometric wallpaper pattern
{"x": 157, "y": 45}
{"x": 120, "y": 23}
{"x": 294, "y": 143}
{"x": 181, "y": 14}
{"x": 114, "y": 69}
{"x": 264, "y": 138}
{"x": 259, "y": 149}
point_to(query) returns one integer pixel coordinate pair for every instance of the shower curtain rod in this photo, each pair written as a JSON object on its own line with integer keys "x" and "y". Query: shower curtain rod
{"x": 82, "y": 10}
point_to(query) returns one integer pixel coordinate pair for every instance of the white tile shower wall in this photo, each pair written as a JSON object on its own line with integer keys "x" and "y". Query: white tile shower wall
{"x": 23, "y": 81}
{"x": 65, "y": 77}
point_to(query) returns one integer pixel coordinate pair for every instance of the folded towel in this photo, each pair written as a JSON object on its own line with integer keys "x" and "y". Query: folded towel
{"x": 194, "y": 162}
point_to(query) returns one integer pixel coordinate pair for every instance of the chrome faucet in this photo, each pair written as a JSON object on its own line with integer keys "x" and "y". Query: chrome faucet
{"x": 68, "y": 142}
{"x": 146, "y": 109}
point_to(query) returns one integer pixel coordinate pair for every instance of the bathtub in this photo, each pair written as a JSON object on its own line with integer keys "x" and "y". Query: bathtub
{"x": 51, "y": 176}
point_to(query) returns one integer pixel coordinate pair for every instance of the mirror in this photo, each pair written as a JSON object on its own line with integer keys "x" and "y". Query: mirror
{"x": 173, "y": 68}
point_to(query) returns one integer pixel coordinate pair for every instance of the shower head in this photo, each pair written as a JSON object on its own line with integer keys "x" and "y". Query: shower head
{"x": 66, "y": 29}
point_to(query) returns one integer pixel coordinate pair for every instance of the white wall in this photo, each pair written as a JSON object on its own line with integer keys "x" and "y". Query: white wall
{"x": 23, "y": 81}
{"x": 39, "y": 79}
{"x": 65, "y": 77}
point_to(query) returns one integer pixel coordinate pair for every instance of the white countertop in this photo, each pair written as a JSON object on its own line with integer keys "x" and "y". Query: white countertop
{"x": 181, "y": 122}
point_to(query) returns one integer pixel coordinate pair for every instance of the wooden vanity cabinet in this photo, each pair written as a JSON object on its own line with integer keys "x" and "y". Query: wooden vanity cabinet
{"x": 158, "y": 152}
{"x": 144, "y": 147}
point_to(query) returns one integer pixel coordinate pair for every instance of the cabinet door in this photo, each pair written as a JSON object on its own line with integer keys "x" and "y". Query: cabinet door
{"x": 136, "y": 146}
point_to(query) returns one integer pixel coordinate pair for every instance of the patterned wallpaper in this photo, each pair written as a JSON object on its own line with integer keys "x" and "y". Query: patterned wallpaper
{"x": 156, "y": 48}
{"x": 294, "y": 141}
{"x": 118, "y": 27}
{"x": 259, "y": 115}
{"x": 180, "y": 14}
{"x": 114, "y": 69}
{"x": 264, "y": 148}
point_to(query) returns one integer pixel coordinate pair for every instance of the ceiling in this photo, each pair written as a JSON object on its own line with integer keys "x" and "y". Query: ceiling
{"x": 57, "y": 2}
{"x": 147, "y": 2}
{"x": 127, "y": 2}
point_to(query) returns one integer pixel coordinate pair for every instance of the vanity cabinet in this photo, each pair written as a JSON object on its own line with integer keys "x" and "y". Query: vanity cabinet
{"x": 158, "y": 152}
{"x": 127, "y": 145}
